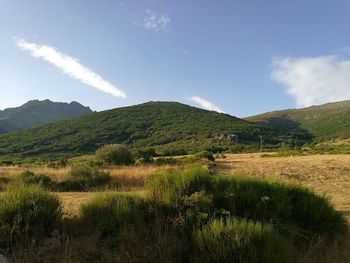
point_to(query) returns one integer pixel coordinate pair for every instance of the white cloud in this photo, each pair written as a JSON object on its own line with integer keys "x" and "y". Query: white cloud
{"x": 314, "y": 80}
{"x": 155, "y": 22}
{"x": 205, "y": 104}
{"x": 70, "y": 66}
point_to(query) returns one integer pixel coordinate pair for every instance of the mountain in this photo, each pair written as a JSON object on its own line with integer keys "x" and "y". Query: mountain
{"x": 324, "y": 122}
{"x": 163, "y": 125}
{"x": 35, "y": 113}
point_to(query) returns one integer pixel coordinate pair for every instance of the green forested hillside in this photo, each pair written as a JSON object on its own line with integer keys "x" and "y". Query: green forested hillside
{"x": 35, "y": 113}
{"x": 153, "y": 124}
{"x": 331, "y": 120}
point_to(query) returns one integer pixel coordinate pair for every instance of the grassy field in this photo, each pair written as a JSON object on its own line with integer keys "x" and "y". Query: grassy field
{"x": 326, "y": 174}
{"x": 130, "y": 178}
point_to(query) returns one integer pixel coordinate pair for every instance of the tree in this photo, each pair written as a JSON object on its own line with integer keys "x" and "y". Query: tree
{"x": 114, "y": 154}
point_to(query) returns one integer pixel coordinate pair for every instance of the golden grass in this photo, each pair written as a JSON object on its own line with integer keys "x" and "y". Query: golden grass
{"x": 327, "y": 174}
{"x": 130, "y": 175}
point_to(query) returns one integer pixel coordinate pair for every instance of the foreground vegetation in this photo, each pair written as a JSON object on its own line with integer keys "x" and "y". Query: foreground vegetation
{"x": 185, "y": 215}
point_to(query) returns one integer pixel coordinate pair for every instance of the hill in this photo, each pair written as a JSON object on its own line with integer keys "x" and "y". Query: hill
{"x": 328, "y": 121}
{"x": 163, "y": 125}
{"x": 35, "y": 113}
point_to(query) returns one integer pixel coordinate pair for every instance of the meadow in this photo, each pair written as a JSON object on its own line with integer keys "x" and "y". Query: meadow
{"x": 159, "y": 212}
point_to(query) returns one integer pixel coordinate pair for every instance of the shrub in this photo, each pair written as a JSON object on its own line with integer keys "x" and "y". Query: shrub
{"x": 294, "y": 210}
{"x": 165, "y": 161}
{"x": 238, "y": 241}
{"x": 114, "y": 154}
{"x": 83, "y": 176}
{"x": 108, "y": 212}
{"x": 206, "y": 155}
{"x": 172, "y": 186}
{"x": 29, "y": 177}
{"x": 146, "y": 155}
{"x": 29, "y": 210}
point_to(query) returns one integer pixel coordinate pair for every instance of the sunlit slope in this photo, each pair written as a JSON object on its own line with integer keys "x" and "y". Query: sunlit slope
{"x": 326, "y": 121}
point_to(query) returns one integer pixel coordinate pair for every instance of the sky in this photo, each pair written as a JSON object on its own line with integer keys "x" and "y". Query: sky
{"x": 240, "y": 57}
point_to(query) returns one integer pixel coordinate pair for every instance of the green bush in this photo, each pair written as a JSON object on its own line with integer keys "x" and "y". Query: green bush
{"x": 108, "y": 212}
{"x": 114, "y": 154}
{"x": 29, "y": 177}
{"x": 82, "y": 177}
{"x": 206, "y": 155}
{"x": 29, "y": 210}
{"x": 173, "y": 186}
{"x": 295, "y": 211}
{"x": 238, "y": 241}
{"x": 146, "y": 155}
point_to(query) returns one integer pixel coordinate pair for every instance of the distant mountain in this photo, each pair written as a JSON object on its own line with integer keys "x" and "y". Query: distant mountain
{"x": 35, "y": 113}
{"x": 328, "y": 121}
{"x": 163, "y": 125}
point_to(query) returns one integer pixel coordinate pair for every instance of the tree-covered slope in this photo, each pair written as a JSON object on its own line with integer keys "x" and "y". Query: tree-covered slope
{"x": 331, "y": 120}
{"x": 35, "y": 113}
{"x": 151, "y": 124}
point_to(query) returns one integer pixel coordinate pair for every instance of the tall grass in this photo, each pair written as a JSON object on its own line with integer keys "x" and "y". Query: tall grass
{"x": 239, "y": 241}
{"x": 28, "y": 211}
{"x": 108, "y": 212}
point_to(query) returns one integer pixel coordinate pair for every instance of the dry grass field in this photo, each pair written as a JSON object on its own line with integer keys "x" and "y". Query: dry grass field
{"x": 327, "y": 174}
{"x": 130, "y": 178}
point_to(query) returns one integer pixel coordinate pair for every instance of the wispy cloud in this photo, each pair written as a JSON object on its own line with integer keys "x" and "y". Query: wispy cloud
{"x": 205, "y": 104}
{"x": 154, "y": 22}
{"x": 313, "y": 80}
{"x": 69, "y": 66}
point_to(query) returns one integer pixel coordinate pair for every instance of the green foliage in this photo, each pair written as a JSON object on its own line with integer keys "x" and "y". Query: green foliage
{"x": 238, "y": 241}
{"x": 28, "y": 210}
{"x": 6, "y": 163}
{"x": 206, "y": 155}
{"x": 169, "y": 127}
{"x": 29, "y": 177}
{"x": 114, "y": 154}
{"x": 295, "y": 211}
{"x": 109, "y": 212}
{"x": 147, "y": 154}
{"x": 83, "y": 177}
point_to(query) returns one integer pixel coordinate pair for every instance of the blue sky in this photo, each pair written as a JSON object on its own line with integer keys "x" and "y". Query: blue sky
{"x": 241, "y": 57}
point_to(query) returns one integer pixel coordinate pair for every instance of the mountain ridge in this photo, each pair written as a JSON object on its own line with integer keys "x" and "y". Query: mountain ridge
{"x": 35, "y": 113}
